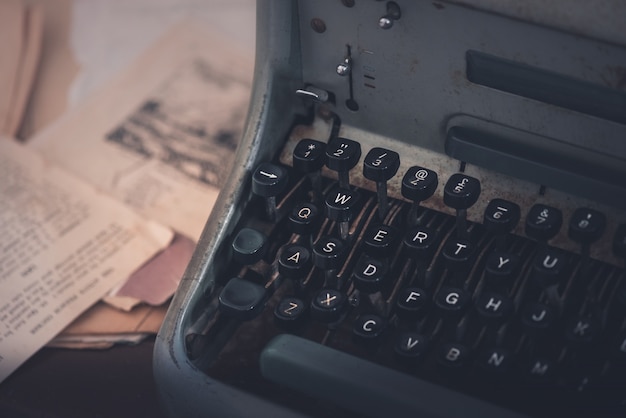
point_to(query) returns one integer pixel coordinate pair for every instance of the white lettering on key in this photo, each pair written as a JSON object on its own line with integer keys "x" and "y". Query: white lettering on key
{"x": 539, "y": 368}
{"x": 550, "y": 262}
{"x": 461, "y": 185}
{"x": 410, "y": 343}
{"x": 419, "y": 176}
{"x": 543, "y": 216}
{"x": 343, "y": 198}
{"x": 369, "y": 270}
{"x": 329, "y": 299}
{"x": 581, "y": 328}
{"x": 291, "y": 307}
{"x": 304, "y": 213}
{"x": 329, "y": 247}
{"x": 413, "y": 296}
{"x": 502, "y": 262}
{"x": 369, "y": 325}
{"x": 452, "y": 298}
{"x": 493, "y": 304}
{"x": 420, "y": 236}
{"x": 459, "y": 247}
{"x": 495, "y": 360}
{"x": 380, "y": 235}
{"x": 539, "y": 318}
{"x": 295, "y": 257}
{"x": 453, "y": 354}
{"x": 501, "y": 211}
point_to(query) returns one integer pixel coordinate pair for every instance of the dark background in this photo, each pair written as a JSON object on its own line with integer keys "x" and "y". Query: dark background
{"x": 64, "y": 383}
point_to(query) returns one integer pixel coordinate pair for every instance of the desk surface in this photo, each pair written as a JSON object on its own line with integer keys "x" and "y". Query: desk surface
{"x": 58, "y": 383}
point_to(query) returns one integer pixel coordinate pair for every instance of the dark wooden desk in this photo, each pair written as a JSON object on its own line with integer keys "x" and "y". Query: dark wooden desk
{"x": 84, "y": 384}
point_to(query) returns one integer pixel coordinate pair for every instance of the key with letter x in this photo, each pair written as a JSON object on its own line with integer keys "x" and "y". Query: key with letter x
{"x": 327, "y": 305}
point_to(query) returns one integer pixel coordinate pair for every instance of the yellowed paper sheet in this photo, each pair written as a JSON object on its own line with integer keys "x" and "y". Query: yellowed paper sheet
{"x": 63, "y": 246}
{"x": 161, "y": 137}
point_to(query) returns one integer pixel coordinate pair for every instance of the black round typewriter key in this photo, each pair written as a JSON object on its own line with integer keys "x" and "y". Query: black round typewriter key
{"x": 538, "y": 318}
{"x": 242, "y": 299}
{"x": 328, "y": 305}
{"x": 539, "y": 369}
{"x": 294, "y": 261}
{"x": 458, "y": 253}
{"x": 420, "y": 242}
{"x": 412, "y": 302}
{"x": 453, "y": 357}
{"x": 342, "y": 155}
{"x": 501, "y": 216}
{"x": 419, "y": 183}
{"x": 410, "y": 346}
{"x": 340, "y": 204}
{"x": 369, "y": 274}
{"x": 543, "y": 222}
{"x": 549, "y": 266}
{"x": 329, "y": 253}
{"x": 290, "y": 312}
{"x": 582, "y": 330}
{"x": 586, "y": 225}
{"x": 380, "y": 241}
{"x": 461, "y": 191}
{"x": 269, "y": 180}
{"x": 496, "y": 361}
{"x": 502, "y": 267}
{"x": 368, "y": 327}
{"x": 494, "y": 307}
{"x": 304, "y": 218}
{"x": 452, "y": 301}
{"x": 249, "y": 246}
{"x": 309, "y": 155}
{"x": 380, "y": 165}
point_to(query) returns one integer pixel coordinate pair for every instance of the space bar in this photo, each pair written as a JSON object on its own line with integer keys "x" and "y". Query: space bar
{"x": 362, "y": 386}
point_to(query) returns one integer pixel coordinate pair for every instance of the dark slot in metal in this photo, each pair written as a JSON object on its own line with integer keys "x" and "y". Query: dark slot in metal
{"x": 546, "y": 86}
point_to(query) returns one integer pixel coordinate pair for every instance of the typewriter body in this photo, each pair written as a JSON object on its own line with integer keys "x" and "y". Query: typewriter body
{"x": 426, "y": 217}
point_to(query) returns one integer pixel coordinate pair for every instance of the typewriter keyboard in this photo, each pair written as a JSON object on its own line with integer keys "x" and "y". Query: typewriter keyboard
{"x": 345, "y": 301}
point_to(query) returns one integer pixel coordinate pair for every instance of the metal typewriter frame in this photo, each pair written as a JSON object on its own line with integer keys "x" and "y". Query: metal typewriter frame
{"x": 184, "y": 389}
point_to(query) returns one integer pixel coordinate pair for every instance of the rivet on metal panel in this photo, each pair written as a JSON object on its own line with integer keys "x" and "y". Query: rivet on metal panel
{"x": 318, "y": 25}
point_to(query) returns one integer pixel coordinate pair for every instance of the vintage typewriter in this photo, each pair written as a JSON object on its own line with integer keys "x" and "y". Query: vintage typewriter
{"x": 426, "y": 217}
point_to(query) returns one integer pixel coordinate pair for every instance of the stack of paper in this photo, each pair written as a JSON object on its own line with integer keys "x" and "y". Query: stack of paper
{"x": 132, "y": 172}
